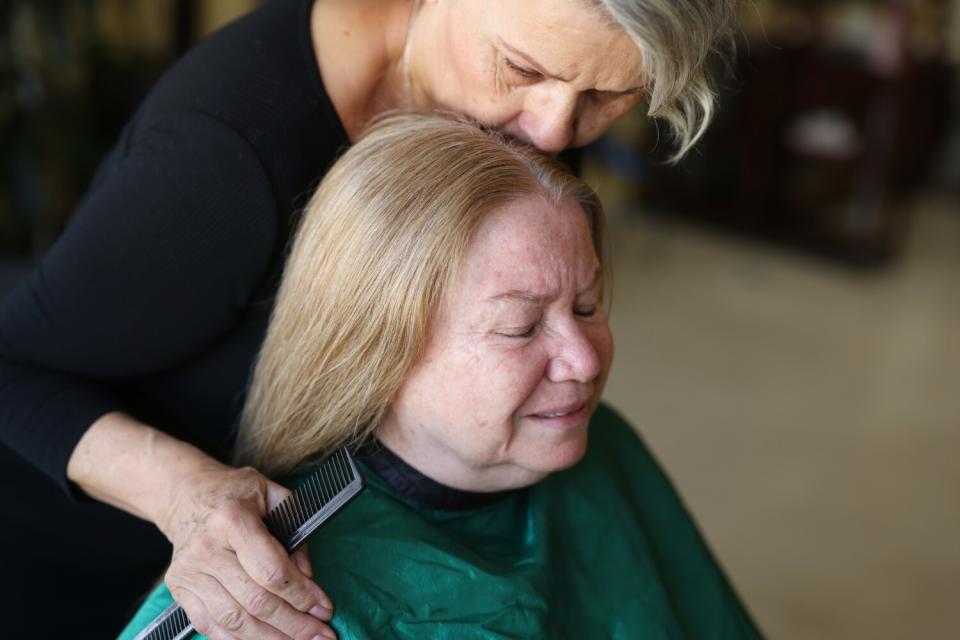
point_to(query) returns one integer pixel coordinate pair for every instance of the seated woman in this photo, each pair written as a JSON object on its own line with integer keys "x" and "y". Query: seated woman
{"x": 442, "y": 309}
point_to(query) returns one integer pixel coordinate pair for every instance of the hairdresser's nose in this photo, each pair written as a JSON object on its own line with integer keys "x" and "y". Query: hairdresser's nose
{"x": 575, "y": 357}
{"x": 549, "y": 118}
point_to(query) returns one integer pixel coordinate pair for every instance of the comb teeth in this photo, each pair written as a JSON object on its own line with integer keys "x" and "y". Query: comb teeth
{"x": 329, "y": 479}
{"x": 172, "y": 624}
{"x": 176, "y": 626}
{"x": 325, "y": 491}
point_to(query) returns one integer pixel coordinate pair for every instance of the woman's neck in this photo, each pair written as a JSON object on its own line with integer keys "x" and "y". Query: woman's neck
{"x": 437, "y": 460}
{"x": 359, "y": 46}
{"x": 410, "y": 483}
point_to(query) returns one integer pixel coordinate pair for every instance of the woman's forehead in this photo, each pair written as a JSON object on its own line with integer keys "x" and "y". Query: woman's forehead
{"x": 570, "y": 40}
{"x": 531, "y": 245}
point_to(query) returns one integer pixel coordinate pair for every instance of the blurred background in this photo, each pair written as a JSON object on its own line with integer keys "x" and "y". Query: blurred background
{"x": 785, "y": 301}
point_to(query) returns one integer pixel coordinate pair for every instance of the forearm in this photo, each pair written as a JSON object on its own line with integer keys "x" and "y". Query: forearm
{"x": 134, "y": 467}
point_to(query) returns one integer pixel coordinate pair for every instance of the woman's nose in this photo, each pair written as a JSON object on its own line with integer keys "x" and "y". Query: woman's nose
{"x": 549, "y": 119}
{"x": 576, "y": 358}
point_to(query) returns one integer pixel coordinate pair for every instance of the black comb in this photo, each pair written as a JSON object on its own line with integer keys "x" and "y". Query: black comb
{"x": 335, "y": 482}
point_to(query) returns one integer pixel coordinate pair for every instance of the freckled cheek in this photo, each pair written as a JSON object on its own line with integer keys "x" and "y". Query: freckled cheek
{"x": 502, "y": 387}
{"x": 520, "y": 377}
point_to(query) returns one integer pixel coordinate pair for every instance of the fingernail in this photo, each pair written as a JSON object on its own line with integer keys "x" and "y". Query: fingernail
{"x": 320, "y": 612}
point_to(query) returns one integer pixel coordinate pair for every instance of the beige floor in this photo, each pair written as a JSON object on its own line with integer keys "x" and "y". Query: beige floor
{"x": 810, "y": 417}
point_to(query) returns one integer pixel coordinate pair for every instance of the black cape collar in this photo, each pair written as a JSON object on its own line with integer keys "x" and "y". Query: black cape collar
{"x": 411, "y": 484}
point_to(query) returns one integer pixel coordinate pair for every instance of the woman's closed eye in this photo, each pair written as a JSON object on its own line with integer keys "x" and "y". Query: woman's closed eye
{"x": 586, "y": 311}
{"x": 524, "y": 72}
{"x": 521, "y": 332}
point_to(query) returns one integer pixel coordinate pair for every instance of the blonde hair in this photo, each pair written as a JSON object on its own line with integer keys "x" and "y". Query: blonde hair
{"x": 677, "y": 39}
{"x": 376, "y": 251}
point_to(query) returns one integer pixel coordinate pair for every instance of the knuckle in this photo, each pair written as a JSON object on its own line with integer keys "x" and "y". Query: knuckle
{"x": 248, "y": 474}
{"x": 263, "y": 604}
{"x": 275, "y": 577}
{"x": 232, "y": 619}
{"x": 224, "y": 518}
{"x": 202, "y": 547}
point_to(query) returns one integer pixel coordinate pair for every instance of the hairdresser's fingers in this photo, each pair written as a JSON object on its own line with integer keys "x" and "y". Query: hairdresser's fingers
{"x": 216, "y": 633}
{"x": 275, "y": 495}
{"x": 190, "y": 587}
{"x": 266, "y": 561}
{"x": 231, "y": 602}
{"x": 194, "y": 608}
{"x": 302, "y": 559}
{"x": 216, "y": 525}
{"x": 229, "y": 618}
{"x": 270, "y": 608}
{"x": 199, "y": 616}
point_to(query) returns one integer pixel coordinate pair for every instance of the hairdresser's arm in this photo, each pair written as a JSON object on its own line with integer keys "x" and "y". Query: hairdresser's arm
{"x": 157, "y": 264}
{"x": 229, "y": 574}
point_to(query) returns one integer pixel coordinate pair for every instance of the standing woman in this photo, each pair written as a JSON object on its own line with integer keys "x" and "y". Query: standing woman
{"x": 124, "y": 358}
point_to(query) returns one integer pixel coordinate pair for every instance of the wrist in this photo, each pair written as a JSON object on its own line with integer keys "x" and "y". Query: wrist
{"x": 180, "y": 469}
{"x": 132, "y": 466}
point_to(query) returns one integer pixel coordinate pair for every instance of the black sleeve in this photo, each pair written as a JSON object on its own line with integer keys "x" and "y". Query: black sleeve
{"x": 157, "y": 262}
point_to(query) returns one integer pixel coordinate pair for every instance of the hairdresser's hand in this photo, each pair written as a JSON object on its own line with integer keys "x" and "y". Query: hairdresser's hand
{"x": 233, "y": 579}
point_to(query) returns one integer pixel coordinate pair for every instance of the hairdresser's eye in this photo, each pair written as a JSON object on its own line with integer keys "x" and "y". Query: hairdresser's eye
{"x": 523, "y": 72}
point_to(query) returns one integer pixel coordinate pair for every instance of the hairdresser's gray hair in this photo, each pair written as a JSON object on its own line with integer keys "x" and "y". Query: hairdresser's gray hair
{"x": 677, "y": 38}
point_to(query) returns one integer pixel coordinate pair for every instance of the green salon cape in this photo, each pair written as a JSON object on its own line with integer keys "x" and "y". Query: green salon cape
{"x": 604, "y": 549}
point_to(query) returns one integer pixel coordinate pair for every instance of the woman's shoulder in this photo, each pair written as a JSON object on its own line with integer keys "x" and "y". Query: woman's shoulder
{"x": 397, "y": 570}
{"x": 614, "y": 440}
{"x": 608, "y": 424}
{"x": 620, "y": 466}
{"x": 620, "y": 483}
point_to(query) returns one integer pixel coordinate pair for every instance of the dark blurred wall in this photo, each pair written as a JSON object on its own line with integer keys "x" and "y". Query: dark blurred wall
{"x": 71, "y": 74}
{"x": 836, "y": 114}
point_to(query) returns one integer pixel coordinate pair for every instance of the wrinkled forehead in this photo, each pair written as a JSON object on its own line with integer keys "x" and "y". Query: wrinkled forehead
{"x": 533, "y": 245}
{"x": 575, "y": 40}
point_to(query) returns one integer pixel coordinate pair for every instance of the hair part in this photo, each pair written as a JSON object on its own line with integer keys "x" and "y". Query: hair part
{"x": 677, "y": 39}
{"x": 377, "y": 249}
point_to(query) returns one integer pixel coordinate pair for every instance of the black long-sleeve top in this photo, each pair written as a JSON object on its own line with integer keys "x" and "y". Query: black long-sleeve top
{"x": 156, "y": 297}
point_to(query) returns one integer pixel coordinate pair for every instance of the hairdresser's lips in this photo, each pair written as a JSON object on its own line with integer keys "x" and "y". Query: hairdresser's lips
{"x": 566, "y": 416}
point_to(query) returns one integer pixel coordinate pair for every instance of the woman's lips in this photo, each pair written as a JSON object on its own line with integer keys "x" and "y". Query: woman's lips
{"x": 564, "y": 416}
